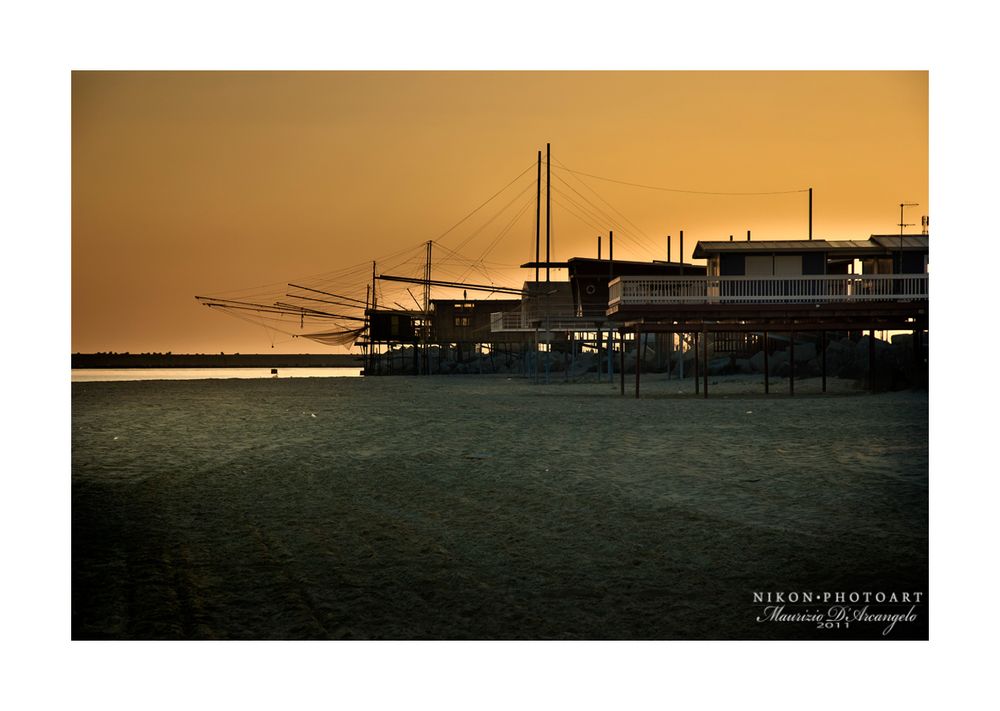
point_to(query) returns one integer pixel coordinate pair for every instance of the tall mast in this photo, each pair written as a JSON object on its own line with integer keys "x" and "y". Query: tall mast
{"x": 427, "y": 279}
{"x": 548, "y": 206}
{"x": 811, "y": 213}
{"x": 538, "y": 214}
{"x": 425, "y": 331}
{"x": 611, "y": 252}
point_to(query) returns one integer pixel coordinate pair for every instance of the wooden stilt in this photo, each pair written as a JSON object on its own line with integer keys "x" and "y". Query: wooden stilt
{"x": 822, "y": 343}
{"x": 871, "y": 360}
{"x": 600, "y": 358}
{"x": 572, "y": 352}
{"x": 638, "y": 362}
{"x": 611, "y": 356}
{"x": 548, "y": 355}
{"x": 670, "y": 352}
{"x": 791, "y": 363}
{"x": 621, "y": 345}
{"x": 767, "y": 388}
{"x": 535, "y": 356}
{"x": 704, "y": 338}
{"x": 696, "y": 363}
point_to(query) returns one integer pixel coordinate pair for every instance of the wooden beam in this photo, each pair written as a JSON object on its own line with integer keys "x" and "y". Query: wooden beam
{"x": 695, "y": 362}
{"x": 791, "y": 363}
{"x": 871, "y": 360}
{"x": 766, "y": 376}
{"x": 704, "y": 338}
{"x": 638, "y": 362}
{"x": 823, "y": 346}
{"x": 621, "y": 343}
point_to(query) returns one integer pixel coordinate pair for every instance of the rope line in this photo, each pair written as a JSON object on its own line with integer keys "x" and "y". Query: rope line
{"x": 679, "y": 190}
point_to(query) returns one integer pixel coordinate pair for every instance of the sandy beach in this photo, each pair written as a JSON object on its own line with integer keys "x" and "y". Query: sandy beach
{"x": 487, "y": 507}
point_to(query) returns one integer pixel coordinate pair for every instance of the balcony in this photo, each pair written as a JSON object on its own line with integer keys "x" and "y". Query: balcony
{"x": 839, "y": 288}
{"x": 504, "y": 321}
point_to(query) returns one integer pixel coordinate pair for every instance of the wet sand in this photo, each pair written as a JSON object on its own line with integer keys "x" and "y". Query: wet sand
{"x": 487, "y": 507}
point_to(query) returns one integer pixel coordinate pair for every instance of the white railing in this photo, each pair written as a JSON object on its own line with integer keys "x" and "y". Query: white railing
{"x": 505, "y": 321}
{"x": 636, "y": 291}
{"x": 516, "y": 321}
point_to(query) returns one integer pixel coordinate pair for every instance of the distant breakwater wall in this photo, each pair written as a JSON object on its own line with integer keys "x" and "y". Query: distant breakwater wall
{"x": 215, "y": 360}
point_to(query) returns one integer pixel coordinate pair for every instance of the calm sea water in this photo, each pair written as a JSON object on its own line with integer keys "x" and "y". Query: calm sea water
{"x": 91, "y": 375}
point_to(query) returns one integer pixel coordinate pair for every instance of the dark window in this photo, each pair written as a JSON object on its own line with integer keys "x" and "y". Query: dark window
{"x": 814, "y": 263}
{"x": 731, "y": 265}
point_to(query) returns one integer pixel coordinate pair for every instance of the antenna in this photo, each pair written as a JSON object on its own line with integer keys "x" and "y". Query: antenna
{"x": 903, "y": 224}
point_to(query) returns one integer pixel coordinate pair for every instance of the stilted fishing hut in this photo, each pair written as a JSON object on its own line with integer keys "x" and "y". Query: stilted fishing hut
{"x": 793, "y": 287}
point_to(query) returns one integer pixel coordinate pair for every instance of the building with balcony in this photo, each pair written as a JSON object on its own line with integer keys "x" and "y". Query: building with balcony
{"x": 793, "y": 287}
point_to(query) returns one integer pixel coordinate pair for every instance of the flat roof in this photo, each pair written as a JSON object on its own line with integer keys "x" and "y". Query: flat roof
{"x": 876, "y": 243}
{"x": 594, "y": 260}
{"x": 909, "y": 241}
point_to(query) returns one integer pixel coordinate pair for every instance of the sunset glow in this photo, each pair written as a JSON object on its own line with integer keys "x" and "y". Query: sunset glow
{"x": 215, "y": 182}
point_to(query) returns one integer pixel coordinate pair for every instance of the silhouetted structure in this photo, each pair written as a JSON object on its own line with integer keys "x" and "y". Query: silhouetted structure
{"x": 791, "y": 286}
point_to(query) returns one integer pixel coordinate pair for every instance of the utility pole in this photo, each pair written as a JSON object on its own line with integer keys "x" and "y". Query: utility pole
{"x": 810, "y": 213}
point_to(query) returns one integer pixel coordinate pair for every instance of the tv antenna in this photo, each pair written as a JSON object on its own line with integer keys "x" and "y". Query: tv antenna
{"x": 903, "y": 224}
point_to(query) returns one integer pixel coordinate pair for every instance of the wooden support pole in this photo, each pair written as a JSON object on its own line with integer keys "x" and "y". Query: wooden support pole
{"x": 535, "y": 357}
{"x": 704, "y": 337}
{"x": 871, "y": 360}
{"x": 611, "y": 361}
{"x": 670, "y": 354}
{"x": 791, "y": 363}
{"x": 766, "y": 375}
{"x": 548, "y": 354}
{"x": 600, "y": 343}
{"x": 638, "y": 362}
{"x": 572, "y": 352}
{"x": 621, "y": 344}
{"x": 680, "y": 366}
{"x": 822, "y": 342}
{"x": 696, "y": 363}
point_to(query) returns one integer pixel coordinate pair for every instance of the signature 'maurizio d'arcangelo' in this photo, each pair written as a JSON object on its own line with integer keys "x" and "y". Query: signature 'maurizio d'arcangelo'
{"x": 885, "y": 608}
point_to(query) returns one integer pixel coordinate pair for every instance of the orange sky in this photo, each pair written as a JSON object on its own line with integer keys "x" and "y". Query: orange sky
{"x": 209, "y": 183}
